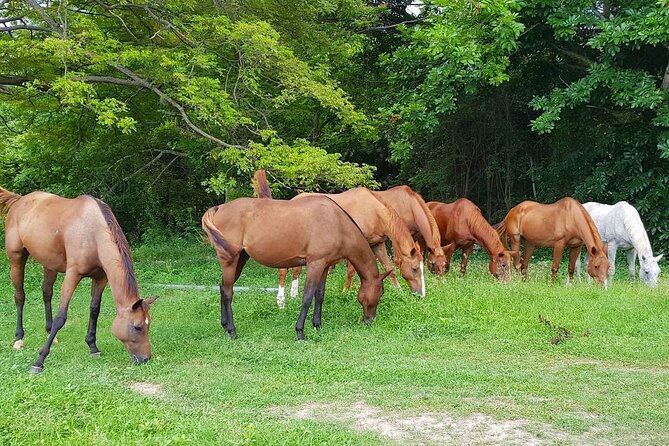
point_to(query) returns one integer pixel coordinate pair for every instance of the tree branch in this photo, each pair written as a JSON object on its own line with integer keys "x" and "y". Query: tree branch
{"x": 394, "y": 25}
{"x": 176, "y": 105}
{"x": 576, "y": 56}
{"x": 665, "y": 80}
{"x": 9, "y": 19}
{"x": 6, "y": 29}
{"x": 55, "y": 27}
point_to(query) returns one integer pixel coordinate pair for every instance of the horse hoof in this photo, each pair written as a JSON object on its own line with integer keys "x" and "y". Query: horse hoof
{"x": 96, "y": 354}
{"x": 281, "y": 305}
{"x": 317, "y": 326}
{"x": 18, "y": 345}
{"x": 34, "y": 370}
{"x": 232, "y": 334}
{"x": 300, "y": 336}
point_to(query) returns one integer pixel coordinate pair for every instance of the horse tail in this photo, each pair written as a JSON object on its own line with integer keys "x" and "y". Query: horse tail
{"x": 260, "y": 184}
{"x": 503, "y": 235}
{"x": 7, "y": 200}
{"x": 216, "y": 238}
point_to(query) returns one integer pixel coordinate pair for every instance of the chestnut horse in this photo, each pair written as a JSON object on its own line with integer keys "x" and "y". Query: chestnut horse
{"x": 461, "y": 224}
{"x": 560, "y": 225}
{"x": 283, "y": 234}
{"x": 412, "y": 209}
{"x": 378, "y": 222}
{"x": 81, "y": 238}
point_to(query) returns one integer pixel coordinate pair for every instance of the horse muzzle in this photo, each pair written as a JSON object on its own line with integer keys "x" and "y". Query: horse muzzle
{"x": 140, "y": 359}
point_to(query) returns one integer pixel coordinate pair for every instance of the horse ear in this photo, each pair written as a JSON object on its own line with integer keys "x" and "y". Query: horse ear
{"x": 137, "y": 304}
{"x": 148, "y": 302}
{"x": 386, "y": 274}
{"x": 658, "y": 258}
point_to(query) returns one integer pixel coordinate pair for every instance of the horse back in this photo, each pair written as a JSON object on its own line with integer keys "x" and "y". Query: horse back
{"x": 56, "y": 231}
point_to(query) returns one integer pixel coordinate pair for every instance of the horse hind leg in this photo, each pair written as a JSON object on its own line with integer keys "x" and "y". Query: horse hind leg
{"x": 47, "y": 295}
{"x": 281, "y": 293}
{"x": 231, "y": 272}
{"x": 17, "y": 272}
{"x": 294, "y": 284}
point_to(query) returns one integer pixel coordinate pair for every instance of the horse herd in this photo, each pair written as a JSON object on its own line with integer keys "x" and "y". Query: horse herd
{"x": 81, "y": 238}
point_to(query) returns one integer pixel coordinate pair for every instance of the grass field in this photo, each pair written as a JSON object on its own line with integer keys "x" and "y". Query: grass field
{"x": 469, "y": 364}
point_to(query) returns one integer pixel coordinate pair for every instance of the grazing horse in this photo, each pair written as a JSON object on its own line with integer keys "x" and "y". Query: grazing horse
{"x": 283, "y": 234}
{"x": 461, "y": 224}
{"x": 378, "y": 222}
{"x": 621, "y": 227}
{"x": 412, "y": 209}
{"x": 560, "y": 225}
{"x": 81, "y": 238}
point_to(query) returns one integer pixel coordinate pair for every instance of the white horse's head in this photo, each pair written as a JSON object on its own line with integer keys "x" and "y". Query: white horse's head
{"x": 650, "y": 270}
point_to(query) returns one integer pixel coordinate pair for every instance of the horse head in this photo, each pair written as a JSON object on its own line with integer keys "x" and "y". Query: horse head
{"x": 500, "y": 265}
{"x": 369, "y": 295}
{"x": 598, "y": 266}
{"x": 650, "y": 270}
{"x": 436, "y": 261}
{"x": 409, "y": 265}
{"x": 131, "y": 327}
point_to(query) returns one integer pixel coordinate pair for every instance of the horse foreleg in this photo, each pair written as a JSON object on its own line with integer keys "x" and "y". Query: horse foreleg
{"x": 281, "y": 293}
{"x": 448, "y": 254}
{"x": 97, "y": 289}
{"x": 294, "y": 285}
{"x": 631, "y": 263}
{"x": 558, "y": 249}
{"x": 466, "y": 252}
{"x": 612, "y": 251}
{"x": 70, "y": 282}
{"x": 527, "y": 255}
{"x": 17, "y": 272}
{"x": 515, "y": 251}
{"x": 574, "y": 254}
{"x": 382, "y": 254}
{"x": 47, "y": 295}
{"x": 318, "y": 301}
{"x": 350, "y": 273}
{"x": 314, "y": 275}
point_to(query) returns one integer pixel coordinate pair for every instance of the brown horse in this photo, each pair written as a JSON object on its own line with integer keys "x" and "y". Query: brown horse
{"x": 563, "y": 224}
{"x": 378, "y": 222}
{"x": 417, "y": 216}
{"x": 284, "y": 234}
{"x": 461, "y": 224}
{"x": 81, "y": 238}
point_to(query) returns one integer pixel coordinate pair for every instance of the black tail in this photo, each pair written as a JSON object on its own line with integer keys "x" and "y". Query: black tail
{"x": 260, "y": 184}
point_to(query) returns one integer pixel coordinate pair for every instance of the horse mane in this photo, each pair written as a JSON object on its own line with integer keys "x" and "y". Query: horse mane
{"x": 7, "y": 200}
{"x": 436, "y": 236}
{"x": 591, "y": 224}
{"x": 396, "y": 226}
{"x": 480, "y": 226}
{"x": 635, "y": 228}
{"x": 260, "y": 184}
{"x": 122, "y": 244}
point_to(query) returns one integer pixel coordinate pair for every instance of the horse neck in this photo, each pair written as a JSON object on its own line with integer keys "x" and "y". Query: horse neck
{"x": 587, "y": 230}
{"x": 484, "y": 234}
{"x": 116, "y": 261}
{"x": 396, "y": 230}
{"x": 425, "y": 223}
{"x": 363, "y": 260}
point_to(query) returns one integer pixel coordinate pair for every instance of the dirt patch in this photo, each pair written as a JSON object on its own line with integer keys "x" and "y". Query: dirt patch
{"x": 405, "y": 427}
{"x": 148, "y": 389}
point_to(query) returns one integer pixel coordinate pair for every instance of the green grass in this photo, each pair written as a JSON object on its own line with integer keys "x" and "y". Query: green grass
{"x": 472, "y": 346}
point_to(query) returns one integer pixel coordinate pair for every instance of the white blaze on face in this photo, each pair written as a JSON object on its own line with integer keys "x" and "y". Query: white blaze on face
{"x": 422, "y": 280}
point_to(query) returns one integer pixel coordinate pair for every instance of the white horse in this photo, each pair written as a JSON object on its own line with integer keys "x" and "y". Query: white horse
{"x": 620, "y": 227}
